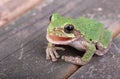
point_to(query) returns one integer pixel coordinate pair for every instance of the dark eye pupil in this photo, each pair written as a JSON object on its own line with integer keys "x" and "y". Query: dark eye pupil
{"x": 50, "y": 17}
{"x": 69, "y": 28}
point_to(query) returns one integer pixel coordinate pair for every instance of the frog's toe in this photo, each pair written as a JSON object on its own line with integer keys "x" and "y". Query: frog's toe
{"x": 53, "y": 57}
{"x": 101, "y": 53}
{"x": 47, "y": 54}
{"x": 51, "y": 53}
{"x": 56, "y": 54}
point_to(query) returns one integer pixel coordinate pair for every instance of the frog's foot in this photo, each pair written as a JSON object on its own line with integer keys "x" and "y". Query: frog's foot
{"x": 51, "y": 52}
{"x": 101, "y": 51}
{"x": 73, "y": 60}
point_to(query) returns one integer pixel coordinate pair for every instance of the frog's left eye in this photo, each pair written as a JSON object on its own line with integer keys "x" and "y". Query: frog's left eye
{"x": 50, "y": 18}
{"x": 68, "y": 28}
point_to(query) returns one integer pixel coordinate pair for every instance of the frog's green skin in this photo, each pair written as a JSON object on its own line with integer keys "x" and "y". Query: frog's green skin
{"x": 88, "y": 34}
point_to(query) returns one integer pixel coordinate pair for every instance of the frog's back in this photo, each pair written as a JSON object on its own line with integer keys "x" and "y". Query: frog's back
{"x": 106, "y": 38}
{"x": 91, "y": 29}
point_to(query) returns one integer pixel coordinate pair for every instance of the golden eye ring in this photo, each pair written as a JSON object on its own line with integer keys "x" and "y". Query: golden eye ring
{"x": 68, "y": 28}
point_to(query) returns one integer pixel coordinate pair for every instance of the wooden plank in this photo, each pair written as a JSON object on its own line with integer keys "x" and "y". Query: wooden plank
{"x": 10, "y": 9}
{"x": 24, "y": 47}
{"x": 107, "y": 66}
{"x": 19, "y": 32}
{"x": 30, "y": 61}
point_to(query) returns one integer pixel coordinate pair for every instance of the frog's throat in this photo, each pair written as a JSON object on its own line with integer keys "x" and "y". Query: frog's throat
{"x": 60, "y": 40}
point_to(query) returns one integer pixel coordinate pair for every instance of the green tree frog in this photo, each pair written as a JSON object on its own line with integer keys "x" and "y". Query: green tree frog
{"x": 82, "y": 34}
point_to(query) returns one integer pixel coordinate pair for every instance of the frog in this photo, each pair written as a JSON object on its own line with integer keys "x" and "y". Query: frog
{"x": 80, "y": 33}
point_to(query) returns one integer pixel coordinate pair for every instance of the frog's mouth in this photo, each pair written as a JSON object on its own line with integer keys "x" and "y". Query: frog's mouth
{"x": 59, "y": 39}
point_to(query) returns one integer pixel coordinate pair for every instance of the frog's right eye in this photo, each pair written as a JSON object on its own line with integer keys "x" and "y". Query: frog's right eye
{"x": 50, "y": 18}
{"x": 68, "y": 28}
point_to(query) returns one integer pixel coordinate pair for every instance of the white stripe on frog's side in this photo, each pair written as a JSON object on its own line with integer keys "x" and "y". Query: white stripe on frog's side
{"x": 79, "y": 45}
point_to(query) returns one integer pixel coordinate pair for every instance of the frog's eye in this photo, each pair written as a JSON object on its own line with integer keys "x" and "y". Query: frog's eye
{"x": 50, "y": 18}
{"x": 68, "y": 28}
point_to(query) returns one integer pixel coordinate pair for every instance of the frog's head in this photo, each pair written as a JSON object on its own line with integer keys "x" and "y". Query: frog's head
{"x": 60, "y": 29}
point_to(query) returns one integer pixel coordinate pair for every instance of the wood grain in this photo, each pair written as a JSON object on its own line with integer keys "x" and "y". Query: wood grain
{"x": 23, "y": 42}
{"x": 10, "y": 9}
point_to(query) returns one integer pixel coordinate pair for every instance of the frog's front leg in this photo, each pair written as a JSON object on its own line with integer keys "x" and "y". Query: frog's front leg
{"x": 81, "y": 61}
{"x": 51, "y": 52}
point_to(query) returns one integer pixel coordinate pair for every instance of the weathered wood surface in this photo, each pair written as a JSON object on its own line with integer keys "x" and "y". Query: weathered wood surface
{"x": 10, "y": 9}
{"x": 22, "y": 48}
{"x": 23, "y": 42}
{"x": 107, "y": 66}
